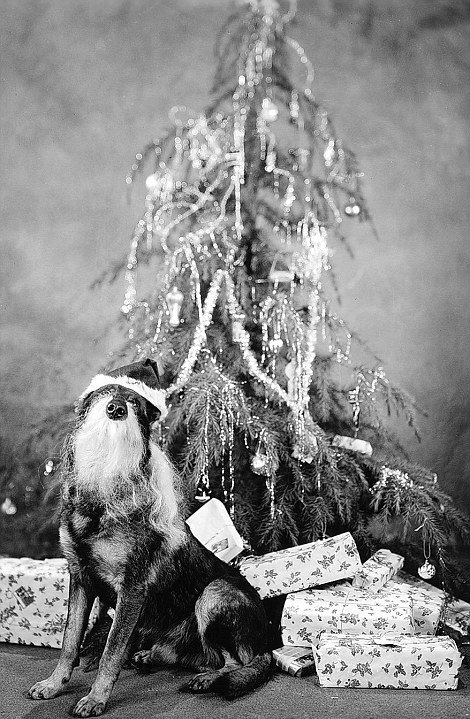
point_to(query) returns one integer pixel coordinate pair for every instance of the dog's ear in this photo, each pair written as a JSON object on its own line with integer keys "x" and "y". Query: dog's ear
{"x": 156, "y": 366}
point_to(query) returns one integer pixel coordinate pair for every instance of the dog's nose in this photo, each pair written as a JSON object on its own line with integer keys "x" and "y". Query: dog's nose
{"x": 116, "y": 409}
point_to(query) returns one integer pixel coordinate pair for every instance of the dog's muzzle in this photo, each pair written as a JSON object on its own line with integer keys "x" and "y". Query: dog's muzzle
{"x": 116, "y": 409}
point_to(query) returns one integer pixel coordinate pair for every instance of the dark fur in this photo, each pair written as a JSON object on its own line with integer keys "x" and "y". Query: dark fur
{"x": 176, "y": 605}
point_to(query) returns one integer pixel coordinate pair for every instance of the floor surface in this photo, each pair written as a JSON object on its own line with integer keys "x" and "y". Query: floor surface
{"x": 157, "y": 696}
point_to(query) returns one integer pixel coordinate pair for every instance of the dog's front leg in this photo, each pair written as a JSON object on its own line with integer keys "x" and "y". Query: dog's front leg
{"x": 128, "y": 607}
{"x": 80, "y": 602}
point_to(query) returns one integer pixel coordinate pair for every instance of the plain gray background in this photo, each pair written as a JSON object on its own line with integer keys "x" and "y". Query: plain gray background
{"x": 85, "y": 84}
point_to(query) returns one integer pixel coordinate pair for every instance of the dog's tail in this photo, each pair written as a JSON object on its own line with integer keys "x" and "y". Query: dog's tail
{"x": 238, "y": 682}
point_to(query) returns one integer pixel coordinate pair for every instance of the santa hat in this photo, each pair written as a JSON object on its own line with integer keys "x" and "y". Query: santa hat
{"x": 140, "y": 377}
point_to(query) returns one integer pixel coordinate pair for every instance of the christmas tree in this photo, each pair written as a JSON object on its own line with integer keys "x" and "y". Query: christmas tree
{"x": 276, "y": 406}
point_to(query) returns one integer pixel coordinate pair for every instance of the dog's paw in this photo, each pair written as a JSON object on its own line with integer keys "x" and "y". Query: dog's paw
{"x": 142, "y": 658}
{"x": 89, "y": 706}
{"x": 201, "y": 683}
{"x": 45, "y": 689}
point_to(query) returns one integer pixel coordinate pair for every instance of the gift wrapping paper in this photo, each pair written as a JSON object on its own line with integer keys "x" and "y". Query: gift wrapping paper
{"x": 296, "y": 661}
{"x": 387, "y": 662}
{"x": 343, "y": 609}
{"x": 33, "y": 601}
{"x": 376, "y": 572}
{"x": 429, "y": 597}
{"x": 307, "y": 565}
{"x": 211, "y": 524}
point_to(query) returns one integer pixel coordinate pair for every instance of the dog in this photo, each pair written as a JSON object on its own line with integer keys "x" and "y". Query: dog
{"x": 126, "y": 542}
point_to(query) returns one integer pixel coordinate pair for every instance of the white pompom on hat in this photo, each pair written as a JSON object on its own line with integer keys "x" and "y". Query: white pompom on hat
{"x": 140, "y": 377}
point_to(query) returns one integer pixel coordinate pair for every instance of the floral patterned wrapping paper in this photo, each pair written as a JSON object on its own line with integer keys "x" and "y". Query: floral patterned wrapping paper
{"x": 33, "y": 601}
{"x": 307, "y": 565}
{"x": 343, "y": 609}
{"x": 427, "y": 597}
{"x": 387, "y": 662}
{"x": 375, "y": 573}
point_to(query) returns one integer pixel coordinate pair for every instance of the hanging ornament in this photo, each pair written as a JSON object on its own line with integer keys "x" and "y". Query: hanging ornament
{"x": 174, "y": 300}
{"x": 237, "y": 326}
{"x": 152, "y": 182}
{"x": 427, "y": 570}
{"x": 48, "y": 467}
{"x": 202, "y": 494}
{"x": 330, "y": 153}
{"x": 275, "y": 344}
{"x": 269, "y": 111}
{"x": 281, "y": 276}
{"x": 260, "y": 463}
{"x": 8, "y": 507}
{"x": 294, "y": 108}
{"x": 290, "y": 371}
{"x": 352, "y": 209}
{"x": 353, "y": 444}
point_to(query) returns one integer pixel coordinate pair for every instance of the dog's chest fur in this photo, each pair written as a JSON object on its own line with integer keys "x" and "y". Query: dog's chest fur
{"x": 96, "y": 543}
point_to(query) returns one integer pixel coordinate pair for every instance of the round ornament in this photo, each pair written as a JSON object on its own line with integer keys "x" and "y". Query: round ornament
{"x": 427, "y": 570}
{"x": 352, "y": 209}
{"x": 269, "y": 111}
{"x": 152, "y": 182}
{"x": 8, "y": 507}
{"x": 260, "y": 463}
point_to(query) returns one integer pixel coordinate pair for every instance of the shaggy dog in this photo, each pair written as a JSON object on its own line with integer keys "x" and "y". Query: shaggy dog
{"x": 125, "y": 540}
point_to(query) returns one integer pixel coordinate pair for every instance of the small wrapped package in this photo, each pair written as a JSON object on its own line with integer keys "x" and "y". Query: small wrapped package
{"x": 387, "y": 662}
{"x": 297, "y": 661}
{"x": 428, "y": 603}
{"x": 33, "y": 601}
{"x": 211, "y": 524}
{"x": 343, "y": 609}
{"x": 376, "y": 572}
{"x": 352, "y": 443}
{"x": 307, "y": 565}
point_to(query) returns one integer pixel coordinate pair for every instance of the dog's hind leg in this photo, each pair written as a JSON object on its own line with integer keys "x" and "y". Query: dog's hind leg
{"x": 232, "y": 621}
{"x": 80, "y": 602}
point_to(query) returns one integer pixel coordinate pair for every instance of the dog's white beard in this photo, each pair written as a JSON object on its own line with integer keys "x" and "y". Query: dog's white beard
{"x": 107, "y": 452}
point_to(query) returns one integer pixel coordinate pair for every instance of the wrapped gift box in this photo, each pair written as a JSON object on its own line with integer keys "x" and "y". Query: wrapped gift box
{"x": 307, "y": 565}
{"x": 427, "y": 606}
{"x": 387, "y": 662}
{"x": 457, "y": 612}
{"x": 296, "y": 661}
{"x": 346, "y": 610}
{"x": 33, "y": 601}
{"x": 211, "y": 524}
{"x": 375, "y": 573}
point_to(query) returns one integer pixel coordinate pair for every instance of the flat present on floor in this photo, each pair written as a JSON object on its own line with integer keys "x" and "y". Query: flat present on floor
{"x": 33, "y": 601}
{"x": 387, "y": 662}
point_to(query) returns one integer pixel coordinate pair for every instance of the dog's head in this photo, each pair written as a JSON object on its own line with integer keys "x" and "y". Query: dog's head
{"x": 115, "y": 416}
{"x": 132, "y": 388}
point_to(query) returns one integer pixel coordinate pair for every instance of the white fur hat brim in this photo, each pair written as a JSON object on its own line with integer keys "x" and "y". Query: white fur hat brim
{"x": 154, "y": 396}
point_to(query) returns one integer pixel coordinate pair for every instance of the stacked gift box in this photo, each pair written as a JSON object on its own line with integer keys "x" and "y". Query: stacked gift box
{"x": 362, "y": 625}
